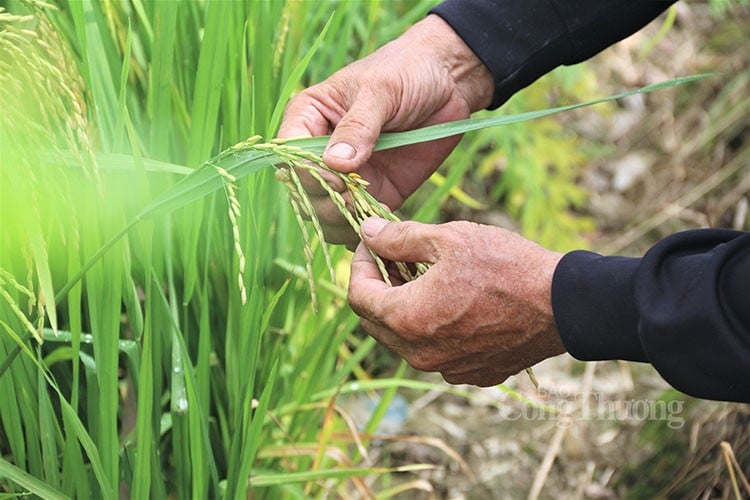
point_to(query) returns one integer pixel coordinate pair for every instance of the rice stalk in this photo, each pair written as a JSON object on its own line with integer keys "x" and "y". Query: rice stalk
{"x": 363, "y": 206}
{"x": 44, "y": 108}
{"x": 8, "y": 279}
{"x": 230, "y": 188}
{"x": 40, "y": 57}
{"x": 281, "y": 37}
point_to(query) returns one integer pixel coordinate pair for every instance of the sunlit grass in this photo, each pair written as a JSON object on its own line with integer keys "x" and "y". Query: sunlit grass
{"x": 176, "y": 331}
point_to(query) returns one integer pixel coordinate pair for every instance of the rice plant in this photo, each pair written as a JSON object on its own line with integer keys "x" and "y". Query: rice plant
{"x": 153, "y": 344}
{"x": 157, "y": 336}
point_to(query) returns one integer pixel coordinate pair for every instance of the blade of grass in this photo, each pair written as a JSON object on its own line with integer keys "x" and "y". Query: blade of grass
{"x": 385, "y": 402}
{"x": 391, "y": 140}
{"x": 208, "y": 82}
{"x": 119, "y": 130}
{"x": 73, "y": 427}
{"x": 145, "y": 416}
{"x": 39, "y": 249}
{"x": 237, "y": 486}
{"x": 159, "y": 92}
{"x": 97, "y": 71}
{"x": 73, "y": 422}
{"x": 29, "y": 482}
{"x": 47, "y": 432}
{"x": 73, "y": 463}
{"x": 295, "y": 77}
{"x": 201, "y": 374}
{"x": 104, "y": 299}
{"x": 75, "y": 319}
{"x": 202, "y": 459}
{"x": 10, "y": 413}
{"x": 440, "y": 131}
{"x": 128, "y": 162}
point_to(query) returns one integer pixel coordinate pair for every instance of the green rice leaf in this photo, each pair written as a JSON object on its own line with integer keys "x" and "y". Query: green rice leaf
{"x": 295, "y": 77}
{"x": 240, "y": 161}
{"x": 73, "y": 422}
{"x": 29, "y": 482}
{"x": 39, "y": 249}
{"x": 160, "y": 81}
{"x": 391, "y": 140}
{"x": 208, "y": 83}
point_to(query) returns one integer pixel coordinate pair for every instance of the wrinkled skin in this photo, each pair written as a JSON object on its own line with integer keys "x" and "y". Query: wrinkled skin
{"x": 483, "y": 310}
{"x": 481, "y": 313}
{"x": 425, "y": 77}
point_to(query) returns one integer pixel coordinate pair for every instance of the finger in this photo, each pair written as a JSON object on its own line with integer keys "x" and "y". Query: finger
{"x": 479, "y": 378}
{"x": 402, "y": 241}
{"x": 460, "y": 365}
{"x": 302, "y": 118}
{"x": 312, "y": 185}
{"x": 354, "y": 137}
{"x": 383, "y": 335}
{"x": 374, "y": 299}
{"x": 327, "y": 212}
{"x": 341, "y": 235}
{"x": 366, "y": 271}
{"x": 366, "y": 286}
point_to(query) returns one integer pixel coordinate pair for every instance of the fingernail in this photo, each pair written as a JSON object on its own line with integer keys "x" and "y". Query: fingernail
{"x": 372, "y": 226}
{"x": 342, "y": 150}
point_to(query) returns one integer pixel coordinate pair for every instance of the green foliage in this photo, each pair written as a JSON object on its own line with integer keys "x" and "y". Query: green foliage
{"x": 719, "y": 8}
{"x": 530, "y": 169}
{"x": 174, "y": 338}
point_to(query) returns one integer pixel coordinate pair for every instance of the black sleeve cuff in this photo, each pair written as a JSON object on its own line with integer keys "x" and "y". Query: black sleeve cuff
{"x": 594, "y": 307}
{"x": 684, "y": 307}
{"x": 522, "y": 40}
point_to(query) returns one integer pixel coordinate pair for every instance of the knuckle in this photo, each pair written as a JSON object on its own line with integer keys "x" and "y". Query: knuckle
{"x": 362, "y": 304}
{"x": 300, "y": 104}
{"x": 460, "y": 237}
{"x": 460, "y": 230}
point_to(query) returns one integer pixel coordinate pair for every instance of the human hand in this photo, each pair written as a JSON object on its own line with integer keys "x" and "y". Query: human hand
{"x": 481, "y": 313}
{"x": 426, "y": 76}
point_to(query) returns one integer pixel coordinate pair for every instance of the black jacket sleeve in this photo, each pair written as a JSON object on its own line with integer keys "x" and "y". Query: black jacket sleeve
{"x": 521, "y": 40}
{"x": 684, "y": 307}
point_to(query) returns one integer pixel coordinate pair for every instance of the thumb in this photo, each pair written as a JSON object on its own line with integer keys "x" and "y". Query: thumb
{"x": 354, "y": 137}
{"x": 401, "y": 241}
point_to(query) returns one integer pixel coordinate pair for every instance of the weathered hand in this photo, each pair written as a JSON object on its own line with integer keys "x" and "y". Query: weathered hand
{"x": 426, "y": 76}
{"x": 481, "y": 313}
